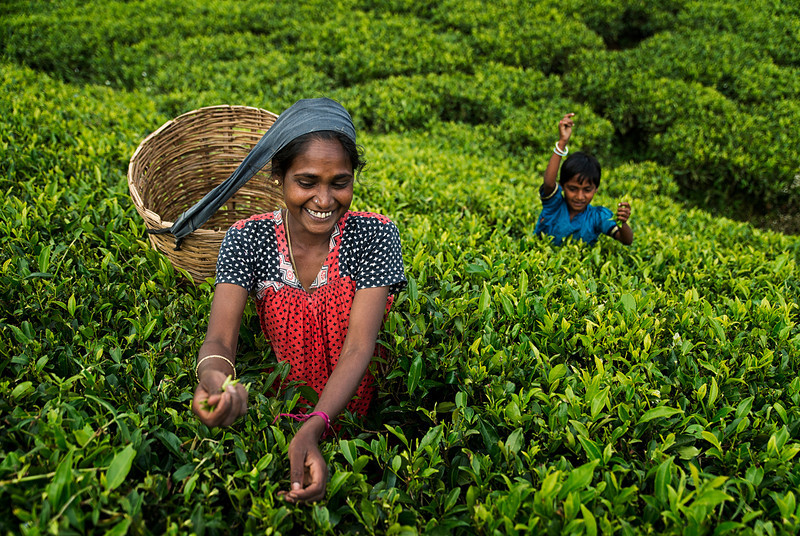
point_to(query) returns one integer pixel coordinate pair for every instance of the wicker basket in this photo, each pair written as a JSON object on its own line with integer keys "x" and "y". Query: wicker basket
{"x": 175, "y": 166}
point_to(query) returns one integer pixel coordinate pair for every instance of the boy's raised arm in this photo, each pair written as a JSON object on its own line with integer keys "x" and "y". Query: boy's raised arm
{"x": 551, "y": 173}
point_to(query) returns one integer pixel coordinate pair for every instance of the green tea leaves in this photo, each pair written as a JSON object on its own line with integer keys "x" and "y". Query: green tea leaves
{"x": 521, "y": 388}
{"x": 120, "y": 467}
{"x": 659, "y": 412}
{"x": 579, "y": 478}
{"x": 44, "y": 259}
{"x": 22, "y": 390}
{"x": 415, "y": 373}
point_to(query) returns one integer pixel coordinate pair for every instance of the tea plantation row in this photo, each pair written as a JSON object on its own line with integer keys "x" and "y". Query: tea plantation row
{"x": 533, "y": 389}
{"x": 707, "y": 88}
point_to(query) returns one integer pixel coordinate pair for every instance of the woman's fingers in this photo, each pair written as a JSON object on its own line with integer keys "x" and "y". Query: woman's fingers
{"x": 297, "y": 458}
{"x": 199, "y": 400}
{"x": 312, "y": 493}
{"x": 211, "y": 410}
{"x": 308, "y": 473}
{"x": 318, "y": 473}
{"x": 231, "y": 406}
{"x": 219, "y": 409}
{"x": 236, "y": 396}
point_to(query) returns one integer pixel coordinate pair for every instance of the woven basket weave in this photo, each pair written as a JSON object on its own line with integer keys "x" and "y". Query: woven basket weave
{"x": 175, "y": 166}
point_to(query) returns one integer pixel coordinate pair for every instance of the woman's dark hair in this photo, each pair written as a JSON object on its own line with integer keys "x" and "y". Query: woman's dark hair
{"x": 581, "y": 165}
{"x": 283, "y": 159}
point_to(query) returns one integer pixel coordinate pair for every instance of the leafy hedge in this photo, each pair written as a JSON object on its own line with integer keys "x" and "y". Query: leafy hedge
{"x": 718, "y": 148}
{"x": 533, "y": 389}
{"x": 708, "y": 89}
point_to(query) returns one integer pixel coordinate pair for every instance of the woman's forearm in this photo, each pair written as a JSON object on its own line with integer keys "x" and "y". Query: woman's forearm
{"x": 343, "y": 383}
{"x": 338, "y": 391}
{"x": 366, "y": 316}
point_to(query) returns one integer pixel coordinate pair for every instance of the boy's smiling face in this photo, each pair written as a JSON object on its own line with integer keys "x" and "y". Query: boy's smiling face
{"x": 578, "y": 193}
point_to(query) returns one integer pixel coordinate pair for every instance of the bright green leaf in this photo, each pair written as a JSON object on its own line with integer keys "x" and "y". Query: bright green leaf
{"x": 120, "y": 467}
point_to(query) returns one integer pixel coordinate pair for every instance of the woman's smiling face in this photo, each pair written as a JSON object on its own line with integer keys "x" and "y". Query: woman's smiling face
{"x": 318, "y": 187}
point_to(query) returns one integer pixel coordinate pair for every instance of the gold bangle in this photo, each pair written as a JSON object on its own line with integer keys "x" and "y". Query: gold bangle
{"x": 197, "y": 367}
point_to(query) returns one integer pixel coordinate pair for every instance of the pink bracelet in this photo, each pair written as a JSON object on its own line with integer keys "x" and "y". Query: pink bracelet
{"x": 302, "y": 417}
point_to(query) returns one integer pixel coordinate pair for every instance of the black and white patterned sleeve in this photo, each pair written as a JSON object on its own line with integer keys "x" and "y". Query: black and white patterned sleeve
{"x": 382, "y": 260}
{"x": 235, "y": 262}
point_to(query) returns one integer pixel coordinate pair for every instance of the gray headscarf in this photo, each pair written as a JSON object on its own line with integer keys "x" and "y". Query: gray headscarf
{"x": 304, "y": 116}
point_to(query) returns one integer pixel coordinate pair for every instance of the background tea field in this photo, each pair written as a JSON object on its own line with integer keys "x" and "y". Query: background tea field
{"x": 535, "y": 389}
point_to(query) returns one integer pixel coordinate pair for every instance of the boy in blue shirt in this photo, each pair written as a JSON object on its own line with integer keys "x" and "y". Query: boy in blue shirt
{"x": 566, "y": 207}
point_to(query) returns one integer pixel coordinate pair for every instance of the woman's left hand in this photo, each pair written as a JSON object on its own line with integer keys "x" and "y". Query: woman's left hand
{"x": 309, "y": 472}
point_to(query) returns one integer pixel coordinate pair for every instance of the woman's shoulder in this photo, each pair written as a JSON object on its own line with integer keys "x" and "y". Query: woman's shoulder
{"x": 253, "y": 233}
{"x": 364, "y": 227}
{"x": 258, "y": 220}
{"x": 368, "y": 231}
{"x": 367, "y": 218}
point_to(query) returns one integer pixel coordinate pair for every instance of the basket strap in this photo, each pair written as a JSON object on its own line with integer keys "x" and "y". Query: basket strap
{"x": 304, "y": 116}
{"x": 178, "y": 239}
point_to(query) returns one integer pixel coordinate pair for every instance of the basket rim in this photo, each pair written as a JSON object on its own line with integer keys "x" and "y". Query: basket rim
{"x": 157, "y": 222}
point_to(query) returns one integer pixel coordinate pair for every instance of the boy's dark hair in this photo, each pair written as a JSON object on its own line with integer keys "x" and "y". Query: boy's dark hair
{"x": 283, "y": 159}
{"x": 581, "y": 165}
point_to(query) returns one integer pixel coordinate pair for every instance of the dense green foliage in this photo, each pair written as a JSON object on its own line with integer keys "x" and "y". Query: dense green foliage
{"x": 533, "y": 389}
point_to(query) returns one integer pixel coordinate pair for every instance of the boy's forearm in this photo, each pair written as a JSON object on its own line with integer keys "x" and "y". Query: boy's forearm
{"x": 625, "y": 234}
{"x": 551, "y": 174}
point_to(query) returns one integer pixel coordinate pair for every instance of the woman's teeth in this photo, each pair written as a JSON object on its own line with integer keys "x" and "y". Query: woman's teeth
{"x": 320, "y": 215}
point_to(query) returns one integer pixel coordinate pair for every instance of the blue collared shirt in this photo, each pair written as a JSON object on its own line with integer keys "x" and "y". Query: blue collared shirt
{"x": 587, "y": 226}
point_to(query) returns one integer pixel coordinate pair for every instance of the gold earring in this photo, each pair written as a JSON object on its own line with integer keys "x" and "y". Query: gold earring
{"x": 276, "y": 182}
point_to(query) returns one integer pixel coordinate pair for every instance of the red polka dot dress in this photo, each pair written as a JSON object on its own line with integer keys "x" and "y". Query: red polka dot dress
{"x": 308, "y": 329}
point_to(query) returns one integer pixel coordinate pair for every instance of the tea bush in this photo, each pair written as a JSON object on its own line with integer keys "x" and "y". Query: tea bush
{"x": 743, "y": 52}
{"x": 734, "y": 66}
{"x": 533, "y": 388}
{"x": 774, "y": 26}
{"x": 517, "y": 33}
{"x": 716, "y": 147}
{"x": 626, "y": 23}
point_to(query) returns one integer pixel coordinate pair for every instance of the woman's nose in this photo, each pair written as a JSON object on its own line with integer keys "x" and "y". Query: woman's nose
{"x": 323, "y": 197}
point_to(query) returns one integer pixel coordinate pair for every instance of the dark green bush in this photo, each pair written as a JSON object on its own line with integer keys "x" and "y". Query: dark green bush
{"x": 358, "y": 47}
{"x": 717, "y": 148}
{"x": 625, "y": 23}
{"x": 729, "y": 63}
{"x": 412, "y": 102}
{"x": 518, "y": 33}
{"x": 774, "y": 26}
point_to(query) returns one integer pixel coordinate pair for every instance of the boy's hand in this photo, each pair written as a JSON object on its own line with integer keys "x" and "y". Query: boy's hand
{"x": 565, "y": 130}
{"x": 623, "y": 212}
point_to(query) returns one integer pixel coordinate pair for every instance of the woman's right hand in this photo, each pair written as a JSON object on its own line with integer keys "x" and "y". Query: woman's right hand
{"x": 215, "y": 406}
{"x": 565, "y": 129}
